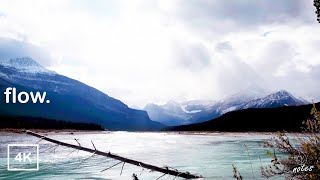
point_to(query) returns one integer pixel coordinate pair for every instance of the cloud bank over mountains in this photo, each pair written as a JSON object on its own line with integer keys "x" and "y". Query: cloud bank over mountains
{"x": 153, "y": 51}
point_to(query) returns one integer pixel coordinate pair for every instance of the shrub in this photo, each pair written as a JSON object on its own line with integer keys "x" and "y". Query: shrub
{"x": 303, "y": 153}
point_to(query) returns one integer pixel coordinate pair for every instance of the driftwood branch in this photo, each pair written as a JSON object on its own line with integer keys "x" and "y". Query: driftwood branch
{"x": 164, "y": 170}
{"x": 112, "y": 166}
{"x": 122, "y": 168}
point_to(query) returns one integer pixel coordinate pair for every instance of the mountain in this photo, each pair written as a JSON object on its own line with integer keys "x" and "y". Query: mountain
{"x": 25, "y": 64}
{"x": 288, "y": 118}
{"x": 278, "y": 99}
{"x": 70, "y": 100}
{"x": 240, "y": 101}
{"x": 230, "y": 103}
{"x": 249, "y": 98}
{"x": 173, "y": 113}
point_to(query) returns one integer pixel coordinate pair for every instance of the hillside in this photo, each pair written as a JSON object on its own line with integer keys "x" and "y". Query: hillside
{"x": 70, "y": 100}
{"x": 9, "y": 122}
{"x": 288, "y": 118}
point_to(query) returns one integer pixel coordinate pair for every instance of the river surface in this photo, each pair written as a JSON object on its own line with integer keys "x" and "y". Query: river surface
{"x": 209, "y": 154}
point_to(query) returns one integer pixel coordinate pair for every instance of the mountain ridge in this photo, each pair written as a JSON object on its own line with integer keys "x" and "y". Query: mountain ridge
{"x": 71, "y": 100}
{"x": 241, "y": 100}
{"x": 287, "y": 118}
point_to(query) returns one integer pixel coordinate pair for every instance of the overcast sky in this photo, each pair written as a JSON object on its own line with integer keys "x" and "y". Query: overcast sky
{"x": 142, "y": 51}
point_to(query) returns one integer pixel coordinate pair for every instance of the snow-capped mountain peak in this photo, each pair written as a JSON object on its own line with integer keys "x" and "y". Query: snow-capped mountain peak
{"x": 277, "y": 99}
{"x": 174, "y": 113}
{"x": 281, "y": 93}
{"x": 24, "y": 61}
{"x": 25, "y": 64}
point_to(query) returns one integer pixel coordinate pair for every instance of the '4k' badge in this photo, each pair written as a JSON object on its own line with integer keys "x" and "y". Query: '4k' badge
{"x": 23, "y": 157}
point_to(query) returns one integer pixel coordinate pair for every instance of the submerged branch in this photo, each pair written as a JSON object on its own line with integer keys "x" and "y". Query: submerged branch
{"x": 168, "y": 171}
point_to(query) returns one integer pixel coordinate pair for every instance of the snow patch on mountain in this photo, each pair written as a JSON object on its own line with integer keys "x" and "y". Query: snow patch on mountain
{"x": 183, "y": 107}
{"x": 233, "y": 108}
{"x": 25, "y": 64}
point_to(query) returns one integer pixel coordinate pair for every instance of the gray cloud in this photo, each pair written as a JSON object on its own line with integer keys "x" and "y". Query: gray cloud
{"x": 237, "y": 75}
{"x": 222, "y": 46}
{"x": 275, "y": 54}
{"x": 223, "y": 16}
{"x": 11, "y": 48}
{"x": 2, "y": 14}
{"x": 313, "y": 89}
{"x": 279, "y": 64}
{"x": 192, "y": 57}
{"x": 302, "y": 84}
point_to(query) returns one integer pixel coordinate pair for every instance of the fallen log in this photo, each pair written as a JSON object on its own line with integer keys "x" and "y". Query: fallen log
{"x": 164, "y": 170}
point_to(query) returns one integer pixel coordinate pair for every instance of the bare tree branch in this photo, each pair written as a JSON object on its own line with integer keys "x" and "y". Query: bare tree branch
{"x": 161, "y": 176}
{"x": 168, "y": 171}
{"x": 112, "y": 166}
{"x": 85, "y": 160}
{"x": 93, "y": 145}
{"x": 122, "y": 168}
